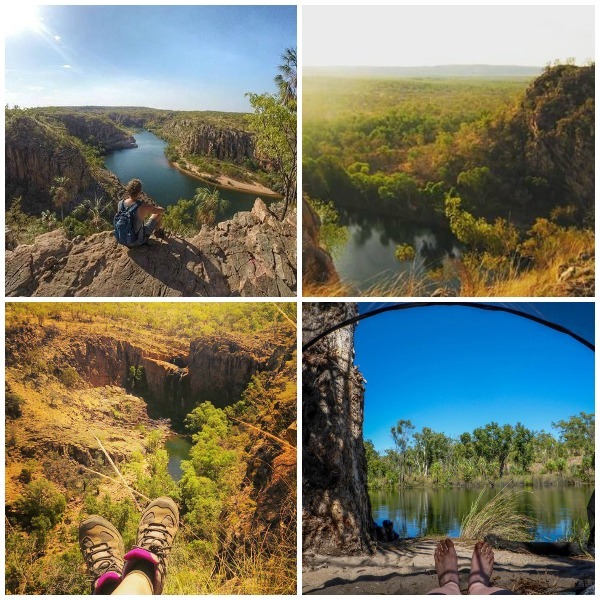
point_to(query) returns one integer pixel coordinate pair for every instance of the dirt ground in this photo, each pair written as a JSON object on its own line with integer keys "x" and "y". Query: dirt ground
{"x": 407, "y": 568}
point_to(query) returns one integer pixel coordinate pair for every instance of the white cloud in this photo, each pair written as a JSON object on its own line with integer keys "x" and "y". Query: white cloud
{"x": 57, "y": 38}
{"x": 67, "y": 67}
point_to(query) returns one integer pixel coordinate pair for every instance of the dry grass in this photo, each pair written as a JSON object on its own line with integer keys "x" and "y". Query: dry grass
{"x": 498, "y": 516}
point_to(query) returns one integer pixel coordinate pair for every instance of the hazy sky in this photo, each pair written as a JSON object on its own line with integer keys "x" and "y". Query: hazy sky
{"x": 175, "y": 57}
{"x": 454, "y": 369}
{"x": 443, "y": 35}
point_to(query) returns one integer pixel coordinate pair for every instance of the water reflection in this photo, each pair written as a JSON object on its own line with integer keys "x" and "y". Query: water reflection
{"x": 420, "y": 512}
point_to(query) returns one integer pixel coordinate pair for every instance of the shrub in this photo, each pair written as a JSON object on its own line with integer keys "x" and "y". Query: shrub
{"x": 69, "y": 377}
{"x": 12, "y": 404}
{"x": 40, "y": 507}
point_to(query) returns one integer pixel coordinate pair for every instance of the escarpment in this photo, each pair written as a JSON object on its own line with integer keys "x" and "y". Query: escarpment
{"x": 253, "y": 254}
{"x": 171, "y": 380}
{"x": 36, "y": 152}
{"x": 99, "y": 132}
{"x": 317, "y": 264}
{"x": 195, "y": 137}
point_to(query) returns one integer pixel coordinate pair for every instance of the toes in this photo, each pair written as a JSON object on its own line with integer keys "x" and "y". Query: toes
{"x": 449, "y": 543}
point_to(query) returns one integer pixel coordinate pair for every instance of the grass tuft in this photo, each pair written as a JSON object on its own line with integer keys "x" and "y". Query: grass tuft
{"x": 499, "y": 516}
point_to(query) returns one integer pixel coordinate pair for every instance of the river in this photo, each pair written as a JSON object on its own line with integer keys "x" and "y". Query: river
{"x": 178, "y": 448}
{"x": 367, "y": 259}
{"x": 438, "y": 511}
{"x": 162, "y": 182}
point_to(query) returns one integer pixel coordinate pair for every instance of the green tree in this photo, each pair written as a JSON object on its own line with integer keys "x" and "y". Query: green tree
{"x": 493, "y": 444}
{"x": 274, "y": 124}
{"x": 41, "y": 507}
{"x": 401, "y": 433}
{"x": 209, "y": 205}
{"x": 522, "y": 447}
{"x": 287, "y": 78}
{"x": 578, "y": 433}
{"x": 60, "y": 193}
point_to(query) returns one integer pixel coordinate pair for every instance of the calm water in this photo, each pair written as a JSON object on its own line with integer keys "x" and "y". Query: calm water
{"x": 178, "y": 449}
{"x": 368, "y": 257}
{"x": 162, "y": 182}
{"x": 419, "y": 512}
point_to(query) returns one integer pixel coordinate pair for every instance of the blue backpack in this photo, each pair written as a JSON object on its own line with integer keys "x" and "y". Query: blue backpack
{"x": 124, "y": 223}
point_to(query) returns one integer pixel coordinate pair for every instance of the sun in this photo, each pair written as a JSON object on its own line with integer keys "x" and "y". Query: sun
{"x": 22, "y": 18}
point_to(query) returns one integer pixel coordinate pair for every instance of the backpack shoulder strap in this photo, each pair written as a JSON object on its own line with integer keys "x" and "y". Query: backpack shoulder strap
{"x": 132, "y": 209}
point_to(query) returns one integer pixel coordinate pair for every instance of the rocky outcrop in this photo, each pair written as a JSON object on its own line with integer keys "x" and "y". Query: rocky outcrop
{"x": 35, "y": 154}
{"x": 317, "y": 265}
{"x": 97, "y": 131}
{"x": 209, "y": 140}
{"x": 336, "y": 510}
{"x": 253, "y": 254}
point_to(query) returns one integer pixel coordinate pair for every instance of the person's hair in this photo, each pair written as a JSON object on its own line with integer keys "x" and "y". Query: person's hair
{"x": 134, "y": 187}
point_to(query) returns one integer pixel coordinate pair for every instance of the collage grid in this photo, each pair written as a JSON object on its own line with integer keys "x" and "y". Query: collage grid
{"x": 341, "y": 342}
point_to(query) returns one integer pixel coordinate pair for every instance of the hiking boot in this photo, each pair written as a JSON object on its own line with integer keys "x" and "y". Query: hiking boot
{"x": 156, "y": 532}
{"x": 102, "y": 548}
{"x": 161, "y": 234}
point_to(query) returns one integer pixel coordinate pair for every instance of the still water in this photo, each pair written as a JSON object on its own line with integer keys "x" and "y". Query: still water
{"x": 420, "y": 512}
{"x": 178, "y": 448}
{"x": 162, "y": 182}
{"x": 367, "y": 259}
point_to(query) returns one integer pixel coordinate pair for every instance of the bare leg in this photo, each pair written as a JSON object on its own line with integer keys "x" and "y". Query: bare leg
{"x": 482, "y": 566}
{"x": 446, "y": 566}
{"x": 134, "y": 584}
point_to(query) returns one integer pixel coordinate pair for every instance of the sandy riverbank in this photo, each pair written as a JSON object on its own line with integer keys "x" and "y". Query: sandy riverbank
{"x": 407, "y": 568}
{"x": 227, "y": 183}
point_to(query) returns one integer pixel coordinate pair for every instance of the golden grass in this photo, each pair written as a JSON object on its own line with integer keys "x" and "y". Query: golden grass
{"x": 498, "y": 516}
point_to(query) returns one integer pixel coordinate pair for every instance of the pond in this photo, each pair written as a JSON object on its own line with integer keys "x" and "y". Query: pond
{"x": 420, "y": 512}
{"x": 164, "y": 183}
{"x": 367, "y": 258}
{"x": 178, "y": 448}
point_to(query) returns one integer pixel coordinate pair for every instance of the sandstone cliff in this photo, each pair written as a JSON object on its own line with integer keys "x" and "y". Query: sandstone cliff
{"x": 317, "y": 265}
{"x": 97, "y": 131}
{"x": 253, "y": 254}
{"x": 36, "y": 152}
{"x": 194, "y": 137}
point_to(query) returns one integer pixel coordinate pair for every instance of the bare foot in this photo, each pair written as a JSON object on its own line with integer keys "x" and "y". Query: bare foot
{"x": 446, "y": 562}
{"x": 482, "y": 564}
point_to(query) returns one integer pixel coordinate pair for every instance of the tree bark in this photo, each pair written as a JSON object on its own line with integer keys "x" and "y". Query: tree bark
{"x": 336, "y": 510}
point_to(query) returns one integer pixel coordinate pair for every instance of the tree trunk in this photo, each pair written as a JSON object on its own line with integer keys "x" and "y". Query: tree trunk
{"x": 336, "y": 510}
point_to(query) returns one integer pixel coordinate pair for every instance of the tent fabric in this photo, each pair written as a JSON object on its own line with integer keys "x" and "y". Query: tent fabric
{"x": 575, "y": 319}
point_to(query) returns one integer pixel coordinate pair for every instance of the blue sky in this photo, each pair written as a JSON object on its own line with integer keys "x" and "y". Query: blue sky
{"x": 447, "y": 35}
{"x": 174, "y": 57}
{"x": 453, "y": 369}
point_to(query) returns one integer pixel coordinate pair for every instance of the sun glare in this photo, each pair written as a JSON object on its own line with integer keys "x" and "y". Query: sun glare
{"x": 22, "y": 18}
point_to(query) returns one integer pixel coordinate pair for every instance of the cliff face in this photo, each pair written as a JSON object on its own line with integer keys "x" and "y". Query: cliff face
{"x": 97, "y": 131}
{"x": 336, "y": 510}
{"x": 253, "y": 254}
{"x": 36, "y": 154}
{"x": 317, "y": 265}
{"x": 559, "y": 112}
{"x": 221, "y": 143}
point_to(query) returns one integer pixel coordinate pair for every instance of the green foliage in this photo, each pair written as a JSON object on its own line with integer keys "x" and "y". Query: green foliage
{"x": 209, "y": 205}
{"x": 404, "y": 252}
{"x": 13, "y": 403}
{"x": 40, "y": 508}
{"x": 482, "y": 456}
{"x": 136, "y": 379}
{"x": 274, "y": 124}
{"x": 332, "y": 235}
{"x": 69, "y": 377}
